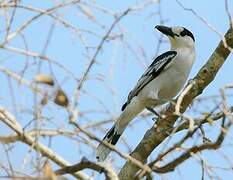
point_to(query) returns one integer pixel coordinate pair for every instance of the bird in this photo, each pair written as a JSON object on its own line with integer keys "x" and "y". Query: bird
{"x": 159, "y": 84}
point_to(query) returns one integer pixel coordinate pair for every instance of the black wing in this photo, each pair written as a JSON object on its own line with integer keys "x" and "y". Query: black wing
{"x": 152, "y": 72}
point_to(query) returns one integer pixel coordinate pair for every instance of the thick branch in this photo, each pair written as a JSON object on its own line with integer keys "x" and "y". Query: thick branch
{"x": 163, "y": 127}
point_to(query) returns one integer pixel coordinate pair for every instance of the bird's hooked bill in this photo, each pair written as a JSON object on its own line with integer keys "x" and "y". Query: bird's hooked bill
{"x": 165, "y": 30}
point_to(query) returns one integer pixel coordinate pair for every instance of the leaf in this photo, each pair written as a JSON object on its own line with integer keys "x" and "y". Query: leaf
{"x": 48, "y": 172}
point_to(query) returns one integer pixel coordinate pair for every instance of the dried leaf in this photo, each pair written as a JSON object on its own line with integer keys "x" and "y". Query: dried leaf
{"x": 44, "y": 79}
{"x": 48, "y": 172}
{"x": 61, "y": 98}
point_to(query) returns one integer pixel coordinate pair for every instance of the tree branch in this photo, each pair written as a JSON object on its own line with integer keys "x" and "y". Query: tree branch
{"x": 208, "y": 145}
{"x": 7, "y": 118}
{"x": 86, "y": 164}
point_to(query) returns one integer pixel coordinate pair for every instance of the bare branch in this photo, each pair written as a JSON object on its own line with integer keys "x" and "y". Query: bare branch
{"x": 10, "y": 121}
{"x": 210, "y": 146}
{"x": 110, "y": 174}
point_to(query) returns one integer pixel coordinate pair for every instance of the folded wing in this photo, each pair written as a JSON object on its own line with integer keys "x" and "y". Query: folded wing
{"x": 156, "y": 67}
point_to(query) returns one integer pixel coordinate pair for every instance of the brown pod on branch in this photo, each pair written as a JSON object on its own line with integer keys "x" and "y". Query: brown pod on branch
{"x": 61, "y": 98}
{"x": 44, "y": 79}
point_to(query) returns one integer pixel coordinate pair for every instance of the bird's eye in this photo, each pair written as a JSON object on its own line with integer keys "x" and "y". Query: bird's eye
{"x": 186, "y": 32}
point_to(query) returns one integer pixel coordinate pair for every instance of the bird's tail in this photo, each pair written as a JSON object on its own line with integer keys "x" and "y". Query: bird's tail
{"x": 111, "y": 137}
{"x": 116, "y": 131}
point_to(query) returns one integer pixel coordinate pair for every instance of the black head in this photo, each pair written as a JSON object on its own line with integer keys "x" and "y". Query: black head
{"x": 186, "y": 32}
{"x": 175, "y": 31}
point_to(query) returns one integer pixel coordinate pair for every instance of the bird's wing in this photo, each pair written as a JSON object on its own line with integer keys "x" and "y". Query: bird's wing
{"x": 156, "y": 67}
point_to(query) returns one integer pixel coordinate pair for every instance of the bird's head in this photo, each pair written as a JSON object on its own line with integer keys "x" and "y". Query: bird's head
{"x": 178, "y": 36}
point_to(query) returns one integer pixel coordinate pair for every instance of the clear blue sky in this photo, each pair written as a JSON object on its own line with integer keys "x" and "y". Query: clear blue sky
{"x": 65, "y": 47}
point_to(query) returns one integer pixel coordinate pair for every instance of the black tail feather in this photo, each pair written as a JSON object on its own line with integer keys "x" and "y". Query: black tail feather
{"x": 115, "y": 138}
{"x": 112, "y": 136}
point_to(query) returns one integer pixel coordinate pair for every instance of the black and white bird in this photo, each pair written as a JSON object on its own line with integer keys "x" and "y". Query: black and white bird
{"x": 161, "y": 82}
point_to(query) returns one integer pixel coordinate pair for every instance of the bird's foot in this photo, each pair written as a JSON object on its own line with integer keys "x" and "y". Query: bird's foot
{"x": 154, "y": 112}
